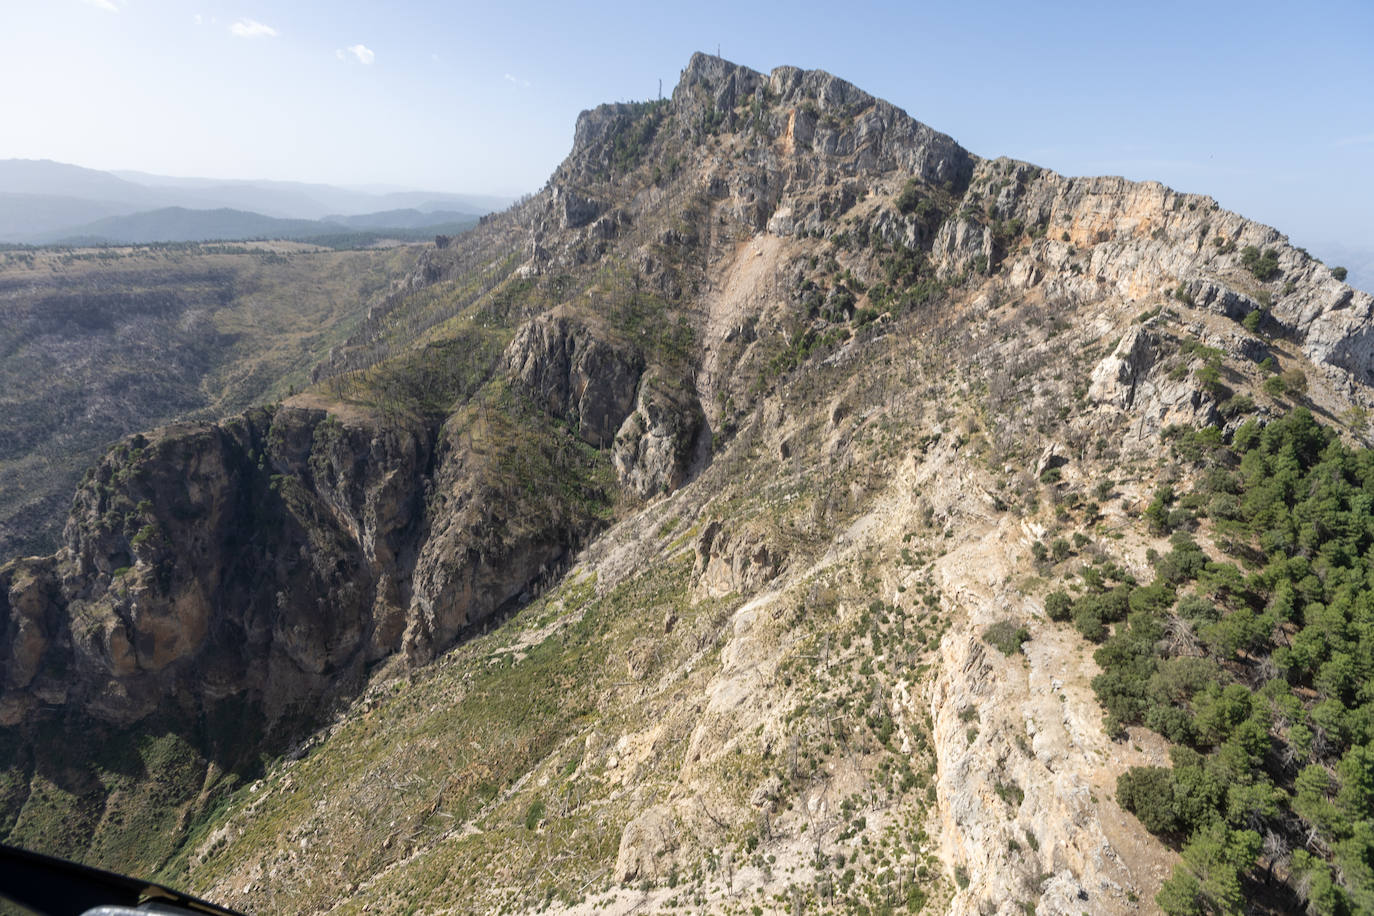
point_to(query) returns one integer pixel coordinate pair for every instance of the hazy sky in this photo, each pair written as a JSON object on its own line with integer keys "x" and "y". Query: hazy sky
{"x": 1268, "y": 107}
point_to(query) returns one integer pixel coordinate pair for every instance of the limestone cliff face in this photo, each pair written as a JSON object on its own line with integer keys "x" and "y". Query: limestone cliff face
{"x": 276, "y": 555}
{"x": 1143, "y": 241}
{"x": 698, "y": 335}
{"x": 816, "y": 146}
{"x": 253, "y": 557}
{"x": 813, "y": 115}
{"x": 657, "y": 441}
{"x": 575, "y": 375}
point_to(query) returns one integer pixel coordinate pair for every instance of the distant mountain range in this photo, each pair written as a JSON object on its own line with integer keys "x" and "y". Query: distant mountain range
{"x": 43, "y": 202}
{"x": 179, "y": 224}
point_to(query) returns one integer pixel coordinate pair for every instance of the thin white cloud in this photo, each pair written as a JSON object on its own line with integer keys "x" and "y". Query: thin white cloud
{"x": 251, "y": 28}
{"x": 516, "y": 81}
{"x": 106, "y": 5}
{"x": 363, "y": 53}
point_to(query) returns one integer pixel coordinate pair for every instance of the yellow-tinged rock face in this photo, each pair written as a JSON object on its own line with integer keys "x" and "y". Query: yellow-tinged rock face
{"x": 768, "y": 368}
{"x": 29, "y": 606}
{"x": 26, "y": 651}
{"x": 123, "y": 658}
{"x": 172, "y": 633}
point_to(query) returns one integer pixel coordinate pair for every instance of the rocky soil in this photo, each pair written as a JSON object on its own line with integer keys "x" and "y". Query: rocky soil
{"x": 638, "y": 553}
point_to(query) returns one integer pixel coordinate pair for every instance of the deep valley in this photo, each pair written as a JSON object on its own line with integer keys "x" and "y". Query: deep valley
{"x": 784, "y": 510}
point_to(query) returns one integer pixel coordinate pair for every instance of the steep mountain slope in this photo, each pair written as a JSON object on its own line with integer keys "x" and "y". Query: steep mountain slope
{"x": 97, "y": 344}
{"x": 647, "y": 548}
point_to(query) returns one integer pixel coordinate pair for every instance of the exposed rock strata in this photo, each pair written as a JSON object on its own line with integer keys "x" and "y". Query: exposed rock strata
{"x": 277, "y": 555}
{"x": 1143, "y": 242}
{"x": 575, "y": 375}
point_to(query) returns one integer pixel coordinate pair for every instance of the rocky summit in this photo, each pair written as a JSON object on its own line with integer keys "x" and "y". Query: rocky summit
{"x": 784, "y": 510}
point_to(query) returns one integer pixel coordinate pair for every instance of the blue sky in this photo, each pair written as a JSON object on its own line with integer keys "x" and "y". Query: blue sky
{"x": 1268, "y": 107}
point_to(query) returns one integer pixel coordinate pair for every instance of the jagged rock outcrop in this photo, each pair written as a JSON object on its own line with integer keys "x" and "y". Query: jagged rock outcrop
{"x": 577, "y": 211}
{"x": 496, "y": 528}
{"x": 656, "y": 443}
{"x": 822, "y": 145}
{"x": 26, "y": 588}
{"x": 254, "y": 557}
{"x": 647, "y": 845}
{"x": 273, "y": 557}
{"x": 576, "y": 375}
{"x": 1146, "y": 242}
{"x": 732, "y": 560}
{"x": 1116, "y": 378}
{"x": 834, "y": 342}
{"x": 815, "y": 115}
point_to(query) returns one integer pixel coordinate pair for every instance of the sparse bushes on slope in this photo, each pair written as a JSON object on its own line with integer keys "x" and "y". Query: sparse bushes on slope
{"x": 1261, "y": 671}
{"x": 633, "y": 140}
{"x": 1264, "y": 266}
{"x": 1006, "y": 636}
{"x": 910, "y": 198}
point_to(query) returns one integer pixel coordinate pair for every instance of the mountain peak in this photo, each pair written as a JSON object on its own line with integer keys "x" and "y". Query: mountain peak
{"x": 712, "y": 70}
{"x": 806, "y": 122}
{"x": 661, "y": 530}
